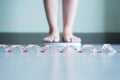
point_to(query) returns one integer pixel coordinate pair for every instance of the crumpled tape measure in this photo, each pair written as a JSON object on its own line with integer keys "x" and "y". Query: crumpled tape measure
{"x": 46, "y": 47}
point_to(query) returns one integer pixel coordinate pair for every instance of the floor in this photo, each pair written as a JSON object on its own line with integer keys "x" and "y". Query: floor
{"x": 69, "y": 64}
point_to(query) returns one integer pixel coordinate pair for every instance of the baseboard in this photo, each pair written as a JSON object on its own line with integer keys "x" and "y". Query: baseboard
{"x": 36, "y": 38}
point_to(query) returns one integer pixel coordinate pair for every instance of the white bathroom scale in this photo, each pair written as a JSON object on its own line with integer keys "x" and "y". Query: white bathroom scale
{"x": 62, "y": 44}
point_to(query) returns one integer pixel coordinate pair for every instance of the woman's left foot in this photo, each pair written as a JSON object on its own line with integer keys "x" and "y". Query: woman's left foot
{"x": 70, "y": 38}
{"x": 68, "y": 35}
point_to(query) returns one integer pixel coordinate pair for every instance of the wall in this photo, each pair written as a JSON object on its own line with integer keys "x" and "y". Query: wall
{"x": 20, "y": 16}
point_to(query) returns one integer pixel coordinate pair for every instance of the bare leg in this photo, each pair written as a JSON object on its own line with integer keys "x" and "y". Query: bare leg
{"x": 51, "y": 8}
{"x": 69, "y": 12}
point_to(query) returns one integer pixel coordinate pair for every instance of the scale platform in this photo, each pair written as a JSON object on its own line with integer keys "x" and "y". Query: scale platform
{"x": 63, "y": 44}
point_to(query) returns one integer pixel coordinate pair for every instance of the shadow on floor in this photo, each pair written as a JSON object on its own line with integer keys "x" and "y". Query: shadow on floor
{"x": 36, "y": 38}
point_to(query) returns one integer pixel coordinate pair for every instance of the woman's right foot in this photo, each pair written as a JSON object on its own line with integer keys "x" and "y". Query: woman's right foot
{"x": 53, "y": 36}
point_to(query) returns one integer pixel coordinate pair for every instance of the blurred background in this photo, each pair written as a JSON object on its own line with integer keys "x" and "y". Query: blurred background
{"x": 28, "y": 16}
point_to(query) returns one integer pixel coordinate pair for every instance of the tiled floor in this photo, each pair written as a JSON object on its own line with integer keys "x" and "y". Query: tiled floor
{"x": 52, "y": 65}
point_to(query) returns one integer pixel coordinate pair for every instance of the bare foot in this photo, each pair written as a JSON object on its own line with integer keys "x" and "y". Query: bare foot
{"x": 69, "y": 37}
{"x": 53, "y": 36}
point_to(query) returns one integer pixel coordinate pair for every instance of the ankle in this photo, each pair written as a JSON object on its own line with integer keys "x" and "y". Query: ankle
{"x": 67, "y": 31}
{"x": 52, "y": 31}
